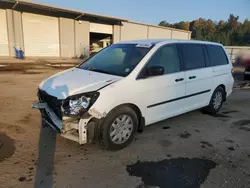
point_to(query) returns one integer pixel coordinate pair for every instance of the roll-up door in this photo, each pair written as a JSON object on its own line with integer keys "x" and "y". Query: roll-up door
{"x": 4, "y": 44}
{"x": 41, "y": 35}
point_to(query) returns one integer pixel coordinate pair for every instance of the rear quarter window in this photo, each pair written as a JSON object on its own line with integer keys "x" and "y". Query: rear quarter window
{"x": 217, "y": 55}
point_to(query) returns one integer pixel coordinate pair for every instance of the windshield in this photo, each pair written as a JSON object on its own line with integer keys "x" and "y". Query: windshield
{"x": 117, "y": 59}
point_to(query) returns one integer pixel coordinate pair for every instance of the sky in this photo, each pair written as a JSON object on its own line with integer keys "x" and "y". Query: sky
{"x": 154, "y": 11}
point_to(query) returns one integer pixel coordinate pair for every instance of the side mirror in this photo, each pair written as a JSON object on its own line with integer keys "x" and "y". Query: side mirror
{"x": 155, "y": 70}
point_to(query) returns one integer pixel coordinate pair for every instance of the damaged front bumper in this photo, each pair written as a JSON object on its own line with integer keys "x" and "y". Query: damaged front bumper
{"x": 80, "y": 130}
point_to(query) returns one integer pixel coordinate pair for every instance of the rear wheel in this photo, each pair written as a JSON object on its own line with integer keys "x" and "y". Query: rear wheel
{"x": 119, "y": 128}
{"x": 216, "y": 101}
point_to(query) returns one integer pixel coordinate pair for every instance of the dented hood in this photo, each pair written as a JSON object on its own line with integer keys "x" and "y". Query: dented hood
{"x": 75, "y": 81}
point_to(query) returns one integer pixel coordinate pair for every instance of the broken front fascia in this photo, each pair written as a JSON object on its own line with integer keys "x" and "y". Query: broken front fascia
{"x": 69, "y": 127}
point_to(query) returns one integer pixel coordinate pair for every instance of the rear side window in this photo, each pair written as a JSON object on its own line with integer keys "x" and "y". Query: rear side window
{"x": 192, "y": 56}
{"x": 216, "y": 55}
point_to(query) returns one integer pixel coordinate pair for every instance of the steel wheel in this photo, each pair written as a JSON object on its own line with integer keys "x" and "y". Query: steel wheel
{"x": 217, "y": 100}
{"x": 121, "y": 129}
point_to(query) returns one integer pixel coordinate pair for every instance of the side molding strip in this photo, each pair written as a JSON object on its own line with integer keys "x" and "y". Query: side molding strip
{"x": 176, "y": 99}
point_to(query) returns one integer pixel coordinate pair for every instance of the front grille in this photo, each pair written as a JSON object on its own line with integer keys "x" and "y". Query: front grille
{"x": 52, "y": 102}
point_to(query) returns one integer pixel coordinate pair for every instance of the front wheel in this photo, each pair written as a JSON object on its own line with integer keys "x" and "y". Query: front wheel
{"x": 119, "y": 128}
{"x": 216, "y": 101}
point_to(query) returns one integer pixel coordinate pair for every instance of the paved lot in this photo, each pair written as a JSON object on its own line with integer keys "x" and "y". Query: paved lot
{"x": 191, "y": 150}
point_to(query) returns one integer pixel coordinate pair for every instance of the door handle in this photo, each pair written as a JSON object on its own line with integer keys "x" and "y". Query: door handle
{"x": 192, "y": 77}
{"x": 179, "y": 79}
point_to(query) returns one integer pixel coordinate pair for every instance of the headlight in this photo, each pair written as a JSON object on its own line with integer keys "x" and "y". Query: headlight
{"x": 76, "y": 105}
{"x": 82, "y": 102}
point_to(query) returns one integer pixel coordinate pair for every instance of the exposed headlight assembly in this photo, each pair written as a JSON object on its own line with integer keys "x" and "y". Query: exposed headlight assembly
{"x": 76, "y": 105}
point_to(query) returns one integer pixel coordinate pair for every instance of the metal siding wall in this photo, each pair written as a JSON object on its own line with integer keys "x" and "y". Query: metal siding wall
{"x": 67, "y": 37}
{"x": 18, "y": 29}
{"x": 156, "y": 33}
{"x": 4, "y": 41}
{"x": 82, "y": 38}
{"x": 101, "y": 28}
{"x": 11, "y": 33}
{"x": 117, "y": 34}
{"x": 132, "y": 31}
{"x": 180, "y": 35}
{"x": 41, "y": 35}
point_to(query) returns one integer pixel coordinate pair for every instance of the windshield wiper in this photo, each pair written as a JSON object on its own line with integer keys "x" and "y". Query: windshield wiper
{"x": 101, "y": 71}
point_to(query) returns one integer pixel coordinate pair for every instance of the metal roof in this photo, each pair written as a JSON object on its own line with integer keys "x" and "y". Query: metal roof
{"x": 78, "y": 14}
{"x": 34, "y": 7}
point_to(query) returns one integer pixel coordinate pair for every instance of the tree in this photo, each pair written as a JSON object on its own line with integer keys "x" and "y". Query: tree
{"x": 182, "y": 25}
{"x": 164, "y": 24}
{"x": 229, "y": 32}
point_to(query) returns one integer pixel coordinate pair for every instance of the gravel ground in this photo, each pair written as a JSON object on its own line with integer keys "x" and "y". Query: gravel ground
{"x": 192, "y": 150}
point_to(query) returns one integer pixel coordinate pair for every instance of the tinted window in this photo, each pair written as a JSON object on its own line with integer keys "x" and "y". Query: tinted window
{"x": 192, "y": 56}
{"x": 166, "y": 57}
{"x": 217, "y": 55}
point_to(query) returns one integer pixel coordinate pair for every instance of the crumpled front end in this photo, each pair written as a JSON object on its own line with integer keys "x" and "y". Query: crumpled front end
{"x": 79, "y": 129}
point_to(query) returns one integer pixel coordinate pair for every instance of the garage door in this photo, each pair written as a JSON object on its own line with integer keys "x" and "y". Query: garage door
{"x": 4, "y": 44}
{"x": 41, "y": 35}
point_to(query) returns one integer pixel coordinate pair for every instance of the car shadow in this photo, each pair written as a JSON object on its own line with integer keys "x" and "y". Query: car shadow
{"x": 46, "y": 153}
{"x": 47, "y": 145}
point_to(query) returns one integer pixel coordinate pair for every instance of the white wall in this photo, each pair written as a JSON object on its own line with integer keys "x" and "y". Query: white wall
{"x": 67, "y": 37}
{"x": 132, "y": 31}
{"x": 180, "y": 35}
{"x": 158, "y": 33}
{"x": 101, "y": 28}
{"x": 4, "y": 42}
{"x": 82, "y": 38}
{"x": 117, "y": 33}
{"x": 135, "y": 31}
{"x": 41, "y": 35}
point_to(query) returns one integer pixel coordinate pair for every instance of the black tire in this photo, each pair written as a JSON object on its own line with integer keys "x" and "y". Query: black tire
{"x": 211, "y": 107}
{"x": 105, "y": 138}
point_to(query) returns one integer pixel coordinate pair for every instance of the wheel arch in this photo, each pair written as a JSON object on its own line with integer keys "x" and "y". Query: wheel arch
{"x": 141, "y": 119}
{"x": 225, "y": 91}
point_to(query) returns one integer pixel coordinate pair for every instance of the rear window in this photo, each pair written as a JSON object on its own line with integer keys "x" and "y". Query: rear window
{"x": 216, "y": 55}
{"x": 192, "y": 56}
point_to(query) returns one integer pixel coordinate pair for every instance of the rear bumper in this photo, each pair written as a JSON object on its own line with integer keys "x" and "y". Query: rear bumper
{"x": 68, "y": 127}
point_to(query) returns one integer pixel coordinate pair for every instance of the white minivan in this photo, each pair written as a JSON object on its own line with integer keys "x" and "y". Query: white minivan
{"x": 130, "y": 85}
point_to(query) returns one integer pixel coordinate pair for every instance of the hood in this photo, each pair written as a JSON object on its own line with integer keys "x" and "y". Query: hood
{"x": 75, "y": 81}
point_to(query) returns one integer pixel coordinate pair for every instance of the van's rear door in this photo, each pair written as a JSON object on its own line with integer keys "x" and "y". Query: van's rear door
{"x": 198, "y": 75}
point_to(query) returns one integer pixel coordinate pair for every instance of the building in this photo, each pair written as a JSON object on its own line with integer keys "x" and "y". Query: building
{"x": 45, "y": 31}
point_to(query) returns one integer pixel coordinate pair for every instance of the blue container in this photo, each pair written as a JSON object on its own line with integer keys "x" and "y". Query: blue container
{"x": 19, "y": 53}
